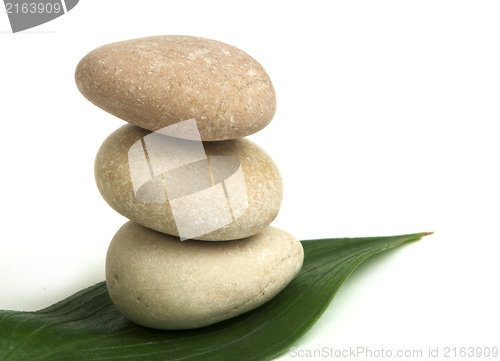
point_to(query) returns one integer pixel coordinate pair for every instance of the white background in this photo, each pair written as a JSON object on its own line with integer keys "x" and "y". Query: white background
{"x": 386, "y": 124}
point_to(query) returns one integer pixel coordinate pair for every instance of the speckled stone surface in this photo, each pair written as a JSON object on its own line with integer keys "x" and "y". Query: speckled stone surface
{"x": 158, "y": 281}
{"x": 158, "y": 81}
{"x": 262, "y": 180}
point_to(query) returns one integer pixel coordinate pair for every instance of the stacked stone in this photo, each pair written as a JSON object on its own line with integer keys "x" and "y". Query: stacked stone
{"x": 198, "y": 248}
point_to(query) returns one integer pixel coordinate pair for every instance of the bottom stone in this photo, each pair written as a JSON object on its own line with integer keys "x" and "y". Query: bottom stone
{"x": 158, "y": 281}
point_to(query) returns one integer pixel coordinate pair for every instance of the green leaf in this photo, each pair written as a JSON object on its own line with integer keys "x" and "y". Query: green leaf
{"x": 86, "y": 326}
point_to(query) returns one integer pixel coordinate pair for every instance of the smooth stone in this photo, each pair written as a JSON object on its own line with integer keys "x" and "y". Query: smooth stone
{"x": 237, "y": 198}
{"x": 158, "y": 81}
{"x": 158, "y": 281}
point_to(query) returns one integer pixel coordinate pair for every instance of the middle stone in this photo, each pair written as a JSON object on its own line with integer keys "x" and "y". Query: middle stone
{"x": 213, "y": 191}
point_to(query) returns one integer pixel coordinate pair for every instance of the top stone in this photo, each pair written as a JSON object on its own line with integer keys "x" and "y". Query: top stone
{"x": 158, "y": 81}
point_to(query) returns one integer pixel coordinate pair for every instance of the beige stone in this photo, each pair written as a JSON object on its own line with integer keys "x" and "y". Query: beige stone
{"x": 158, "y": 281}
{"x": 235, "y": 195}
{"x": 158, "y": 81}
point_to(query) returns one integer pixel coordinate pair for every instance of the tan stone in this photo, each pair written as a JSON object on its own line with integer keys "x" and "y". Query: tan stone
{"x": 248, "y": 186}
{"x": 158, "y": 281}
{"x": 158, "y": 81}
